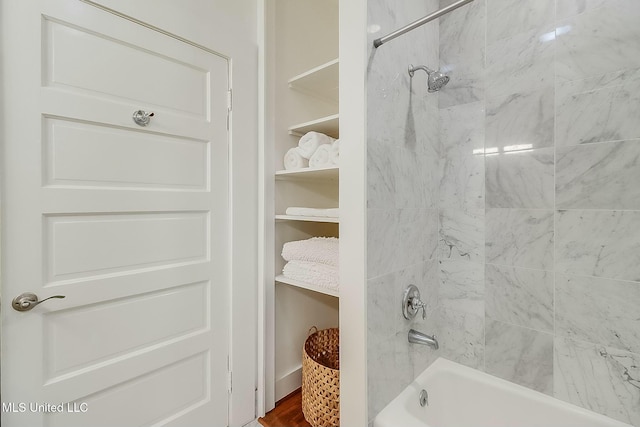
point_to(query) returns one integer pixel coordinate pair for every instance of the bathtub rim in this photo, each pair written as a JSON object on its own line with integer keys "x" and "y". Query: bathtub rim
{"x": 388, "y": 417}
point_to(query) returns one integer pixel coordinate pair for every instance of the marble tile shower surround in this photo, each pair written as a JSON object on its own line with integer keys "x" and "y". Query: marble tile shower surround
{"x": 520, "y": 237}
{"x": 583, "y": 176}
{"x": 519, "y": 296}
{"x": 597, "y": 109}
{"x": 520, "y": 179}
{"x": 601, "y": 378}
{"x": 510, "y": 197}
{"x": 510, "y": 347}
{"x": 546, "y": 256}
{"x": 520, "y": 119}
{"x": 402, "y": 194}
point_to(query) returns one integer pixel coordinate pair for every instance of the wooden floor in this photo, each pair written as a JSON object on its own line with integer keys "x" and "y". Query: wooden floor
{"x": 287, "y": 413}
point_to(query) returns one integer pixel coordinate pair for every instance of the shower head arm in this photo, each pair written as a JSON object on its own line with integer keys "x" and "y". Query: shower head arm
{"x": 413, "y": 69}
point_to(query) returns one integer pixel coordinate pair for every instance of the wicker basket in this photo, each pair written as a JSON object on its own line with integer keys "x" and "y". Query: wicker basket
{"x": 321, "y": 378}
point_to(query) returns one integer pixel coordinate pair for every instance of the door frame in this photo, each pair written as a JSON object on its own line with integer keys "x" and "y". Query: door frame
{"x": 243, "y": 191}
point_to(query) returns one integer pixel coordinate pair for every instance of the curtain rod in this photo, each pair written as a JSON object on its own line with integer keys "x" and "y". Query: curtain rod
{"x": 437, "y": 14}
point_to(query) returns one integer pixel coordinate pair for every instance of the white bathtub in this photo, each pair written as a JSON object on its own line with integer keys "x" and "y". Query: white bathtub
{"x": 463, "y": 397}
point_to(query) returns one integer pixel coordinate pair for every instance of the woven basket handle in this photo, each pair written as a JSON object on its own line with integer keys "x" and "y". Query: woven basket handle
{"x": 312, "y": 331}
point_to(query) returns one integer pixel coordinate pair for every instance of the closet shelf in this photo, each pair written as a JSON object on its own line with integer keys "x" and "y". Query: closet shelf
{"x": 320, "y": 82}
{"x": 307, "y": 218}
{"x": 328, "y": 125}
{"x": 331, "y": 173}
{"x": 309, "y": 286}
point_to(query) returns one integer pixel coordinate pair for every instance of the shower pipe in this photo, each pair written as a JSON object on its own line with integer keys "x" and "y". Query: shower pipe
{"x": 437, "y": 14}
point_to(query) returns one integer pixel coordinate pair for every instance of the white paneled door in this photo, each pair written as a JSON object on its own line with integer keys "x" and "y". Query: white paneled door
{"x": 130, "y": 223}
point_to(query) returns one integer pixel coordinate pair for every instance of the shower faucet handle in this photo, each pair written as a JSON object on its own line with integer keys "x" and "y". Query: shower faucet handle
{"x": 411, "y": 303}
{"x": 416, "y": 305}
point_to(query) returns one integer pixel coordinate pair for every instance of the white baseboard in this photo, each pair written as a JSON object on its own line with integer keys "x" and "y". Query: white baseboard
{"x": 288, "y": 383}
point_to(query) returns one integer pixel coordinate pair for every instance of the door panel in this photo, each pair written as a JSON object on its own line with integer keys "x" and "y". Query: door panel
{"x": 139, "y": 75}
{"x": 170, "y": 390}
{"x": 68, "y": 349}
{"x": 122, "y": 242}
{"x": 116, "y": 157}
{"x": 130, "y": 223}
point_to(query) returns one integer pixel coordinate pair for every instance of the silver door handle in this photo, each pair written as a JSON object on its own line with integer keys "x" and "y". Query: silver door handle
{"x": 28, "y": 300}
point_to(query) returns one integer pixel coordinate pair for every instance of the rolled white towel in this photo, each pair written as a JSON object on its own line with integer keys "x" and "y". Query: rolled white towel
{"x": 323, "y": 213}
{"x": 293, "y": 160}
{"x": 310, "y": 272}
{"x": 334, "y": 153}
{"x": 310, "y": 141}
{"x": 321, "y": 158}
{"x": 322, "y": 250}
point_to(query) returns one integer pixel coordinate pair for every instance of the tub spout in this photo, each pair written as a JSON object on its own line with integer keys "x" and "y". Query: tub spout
{"x": 424, "y": 339}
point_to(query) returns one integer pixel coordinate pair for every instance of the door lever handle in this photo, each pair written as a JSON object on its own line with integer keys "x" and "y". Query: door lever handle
{"x": 28, "y": 300}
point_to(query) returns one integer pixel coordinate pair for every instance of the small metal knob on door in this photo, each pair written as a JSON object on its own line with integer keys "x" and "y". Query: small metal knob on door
{"x": 141, "y": 117}
{"x": 28, "y": 300}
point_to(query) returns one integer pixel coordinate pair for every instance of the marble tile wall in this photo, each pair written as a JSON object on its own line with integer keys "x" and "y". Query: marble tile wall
{"x": 510, "y": 197}
{"x": 402, "y": 194}
{"x": 538, "y": 256}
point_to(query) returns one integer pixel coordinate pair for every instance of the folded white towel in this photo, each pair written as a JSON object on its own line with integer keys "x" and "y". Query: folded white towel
{"x": 310, "y": 141}
{"x": 316, "y": 249}
{"x": 310, "y": 272}
{"x": 334, "y": 153}
{"x": 293, "y": 160}
{"x": 324, "y": 213}
{"x": 321, "y": 158}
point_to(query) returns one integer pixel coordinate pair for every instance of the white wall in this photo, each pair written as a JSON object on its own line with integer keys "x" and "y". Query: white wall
{"x": 353, "y": 218}
{"x": 229, "y": 28}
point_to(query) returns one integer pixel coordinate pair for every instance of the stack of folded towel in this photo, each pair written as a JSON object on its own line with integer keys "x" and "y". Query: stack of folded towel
{"x": 314, "y": 150}
{"x": 313, "y": 261}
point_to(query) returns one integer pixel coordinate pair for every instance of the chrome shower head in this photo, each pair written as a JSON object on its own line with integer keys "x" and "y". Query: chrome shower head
{"x": 436, "y": 80}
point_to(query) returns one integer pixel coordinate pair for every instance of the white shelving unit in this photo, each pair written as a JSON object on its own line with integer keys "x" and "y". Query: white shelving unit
{"x": 328, "y": 125}
{"x": 321, "y": 82}
{"x": 309, "y": 286}
{"x": 307, "y": 218}
{"x": 328, "y": 173}
{"x": 302, "y": 96}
